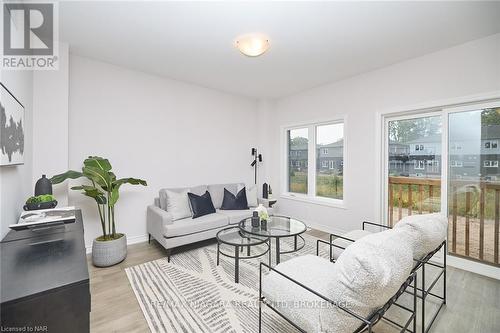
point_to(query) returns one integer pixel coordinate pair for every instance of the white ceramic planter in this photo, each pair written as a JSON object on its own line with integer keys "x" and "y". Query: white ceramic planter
{"x": 109, "y": 253}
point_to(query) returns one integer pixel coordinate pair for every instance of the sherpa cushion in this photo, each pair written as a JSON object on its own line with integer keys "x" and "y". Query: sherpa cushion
{"x": 428, "y": 232}
{"x": 293, "y": 301}
{"x": 366, "y": 275}
{"x": 353, "y": 234}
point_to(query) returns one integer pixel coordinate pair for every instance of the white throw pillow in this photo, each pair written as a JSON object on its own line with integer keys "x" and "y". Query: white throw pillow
{"x": 178, "y": 204}
{"x": 251, "y": 192}
{"x": 427, "y": 231}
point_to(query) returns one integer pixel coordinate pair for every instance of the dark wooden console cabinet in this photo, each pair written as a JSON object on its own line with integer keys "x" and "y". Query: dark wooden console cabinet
{"x": 44, "y": 280}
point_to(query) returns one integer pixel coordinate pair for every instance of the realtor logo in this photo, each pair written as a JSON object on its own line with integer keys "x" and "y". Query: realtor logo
{"x": 29, "y": 36}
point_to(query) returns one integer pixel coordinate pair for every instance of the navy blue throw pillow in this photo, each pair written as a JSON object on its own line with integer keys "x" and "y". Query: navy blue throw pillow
{"x": 201, "y": 204}
{"x": 235, "y": 202}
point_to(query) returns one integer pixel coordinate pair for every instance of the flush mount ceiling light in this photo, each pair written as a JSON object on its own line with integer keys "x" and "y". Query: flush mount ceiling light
{"x": 252, "y": 45}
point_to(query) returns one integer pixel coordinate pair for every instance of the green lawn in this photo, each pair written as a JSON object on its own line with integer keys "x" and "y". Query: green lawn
{"x": 328, "y": 186}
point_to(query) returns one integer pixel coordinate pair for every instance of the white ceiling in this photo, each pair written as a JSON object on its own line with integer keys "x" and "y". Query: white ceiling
{"x": 312, "y": 43}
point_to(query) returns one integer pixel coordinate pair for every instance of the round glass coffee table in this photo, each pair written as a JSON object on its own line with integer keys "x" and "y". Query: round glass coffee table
{"x": 277, "y": 227}
{"x": 234, "y": 237}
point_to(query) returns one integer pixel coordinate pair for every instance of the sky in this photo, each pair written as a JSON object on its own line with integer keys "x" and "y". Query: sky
{"x": 325, "y": 133}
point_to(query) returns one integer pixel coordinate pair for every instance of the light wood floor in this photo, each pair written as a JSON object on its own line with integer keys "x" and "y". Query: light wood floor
{"x": 473, "y": 301}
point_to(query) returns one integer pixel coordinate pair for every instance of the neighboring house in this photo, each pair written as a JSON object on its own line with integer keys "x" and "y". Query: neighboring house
{"x": 467, "y": 159}
{"x": 297, "y": 157}
{"x": 330, "y": 157}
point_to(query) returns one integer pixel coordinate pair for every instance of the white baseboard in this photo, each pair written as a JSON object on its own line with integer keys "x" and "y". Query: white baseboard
{"x": 325, "y": 228}
{"x": 474, "y": 267}
{"x": 130, "y": 241}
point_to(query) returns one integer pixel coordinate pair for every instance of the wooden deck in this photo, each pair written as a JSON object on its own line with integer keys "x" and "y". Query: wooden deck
{"x": 474, "y": 212}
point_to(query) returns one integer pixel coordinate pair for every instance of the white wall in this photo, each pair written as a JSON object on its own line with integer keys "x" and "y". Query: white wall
{"x": 15, "y": 181}
{"x": 471, "y": 68}
{"x": 50, "y": 116}
{"x": 167, "y": 132}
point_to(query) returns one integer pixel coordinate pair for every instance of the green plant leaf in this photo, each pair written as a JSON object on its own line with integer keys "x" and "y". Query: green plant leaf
{"x": 71, "y": 174}
{"x": 99, "y": 176}
{"x": 97, "y": 162}
{"x": 115, "y": 192}
{"x": 92, "y": 192}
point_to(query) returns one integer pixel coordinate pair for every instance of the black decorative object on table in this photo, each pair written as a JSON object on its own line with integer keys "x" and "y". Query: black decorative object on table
{"x": 43, "y": 186}
{"x": 43, "y": 198}
{"x": 255, "y": 220}
{"x": 265, "y": 190}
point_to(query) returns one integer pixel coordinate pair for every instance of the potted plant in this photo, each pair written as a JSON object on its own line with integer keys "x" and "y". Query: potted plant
{"x": 110, "y": 248}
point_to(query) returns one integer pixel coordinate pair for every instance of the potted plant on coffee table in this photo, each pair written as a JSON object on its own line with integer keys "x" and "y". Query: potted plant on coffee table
{"x": 110, "y": 248}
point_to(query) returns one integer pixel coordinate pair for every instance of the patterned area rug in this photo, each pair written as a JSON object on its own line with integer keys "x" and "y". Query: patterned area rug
{"x": 193, "y": 294}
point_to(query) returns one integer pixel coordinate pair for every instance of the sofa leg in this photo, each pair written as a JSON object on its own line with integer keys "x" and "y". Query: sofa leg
{"x": 169, "y": 252}
{"x": 149, "y": 239}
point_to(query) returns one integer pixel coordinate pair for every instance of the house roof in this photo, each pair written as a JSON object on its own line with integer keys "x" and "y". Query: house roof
{"x": 335, "y": 144}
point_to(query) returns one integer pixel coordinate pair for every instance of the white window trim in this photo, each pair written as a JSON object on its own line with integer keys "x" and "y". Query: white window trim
{"x": 311, "y": 196}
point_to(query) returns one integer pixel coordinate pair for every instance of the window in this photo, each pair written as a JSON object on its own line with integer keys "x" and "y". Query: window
{"x": 417, "y": 147}
{"x": 419, "y": 165}
{"x": 421, "y": 147}
{"x": 456, "y": 164}
{"x": 491, "y": 144}
{"x": 326, "y": 172}
{"x": 490, "y": 164}
{"x": 329, "y": 183}
{"x": 298, "y": 140}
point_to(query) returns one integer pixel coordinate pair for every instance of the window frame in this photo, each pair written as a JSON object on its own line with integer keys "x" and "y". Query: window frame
{"x": 312, "y": 159}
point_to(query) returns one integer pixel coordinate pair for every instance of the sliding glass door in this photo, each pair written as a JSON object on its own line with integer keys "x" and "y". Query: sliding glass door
{"x": 474, "y": 182}
{"x": 448, "y": 161}
{"x": 413, "y": 165}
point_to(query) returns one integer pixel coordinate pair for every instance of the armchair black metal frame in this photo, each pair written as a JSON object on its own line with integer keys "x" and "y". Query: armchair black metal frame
{"x": 423, "y": 292}
{"x": 366, "y": 323}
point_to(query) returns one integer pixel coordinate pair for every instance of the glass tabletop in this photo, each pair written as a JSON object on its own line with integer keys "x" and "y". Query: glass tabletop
{"x": 277, "y": 226}
{"x": 234, "y": 236}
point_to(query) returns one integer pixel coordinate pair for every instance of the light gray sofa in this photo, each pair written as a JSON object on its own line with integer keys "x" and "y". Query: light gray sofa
{"x": 171, "y": 234}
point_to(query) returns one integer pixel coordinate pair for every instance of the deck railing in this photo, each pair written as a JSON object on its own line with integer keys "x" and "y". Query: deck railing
{"x": 473, "y": 212}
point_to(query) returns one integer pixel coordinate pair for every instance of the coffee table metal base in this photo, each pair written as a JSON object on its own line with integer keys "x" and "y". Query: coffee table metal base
{"x": 296, "y": 247}
{"x": 237, "y": 256}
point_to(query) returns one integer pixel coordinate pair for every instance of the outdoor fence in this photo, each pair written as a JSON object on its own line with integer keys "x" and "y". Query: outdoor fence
{"x": 473, "y": 212}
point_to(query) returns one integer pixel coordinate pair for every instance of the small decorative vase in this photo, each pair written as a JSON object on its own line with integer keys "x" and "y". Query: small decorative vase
{"x": 43, "y": 186}
{"x": 110, "y": 252}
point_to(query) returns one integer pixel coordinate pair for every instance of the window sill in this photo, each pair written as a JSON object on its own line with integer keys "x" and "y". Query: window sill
{"x": 314, "y": 200}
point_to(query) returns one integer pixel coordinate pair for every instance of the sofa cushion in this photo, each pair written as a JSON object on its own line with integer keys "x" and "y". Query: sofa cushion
{"x": 353, "y": 234}
{"x": 234, "y": 202}
{"x": 235, "y": 216}
{"x": 189, "y": 226}
{"x": 199, "y": 190}
{"x": 293, "y": 301}
{"x": 201, "y": 204}
{"x": 217, "y": 192}
{"x": 251, "y": 194}
{"x": 178, "y": 204}
{"x": 428, "y": 231}
{"x": 366, "y": 275}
